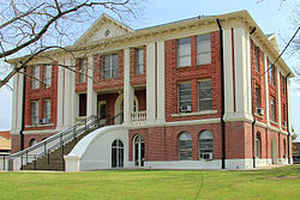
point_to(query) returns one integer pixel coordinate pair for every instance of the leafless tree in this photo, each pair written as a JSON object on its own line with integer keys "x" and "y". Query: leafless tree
{"x": 33, "y": 27}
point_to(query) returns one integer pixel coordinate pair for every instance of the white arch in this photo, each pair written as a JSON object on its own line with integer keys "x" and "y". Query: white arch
{"x": 117, "y": 106}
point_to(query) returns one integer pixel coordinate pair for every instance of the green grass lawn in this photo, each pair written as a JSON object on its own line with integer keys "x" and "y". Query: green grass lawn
{"x": 280, "y": 183}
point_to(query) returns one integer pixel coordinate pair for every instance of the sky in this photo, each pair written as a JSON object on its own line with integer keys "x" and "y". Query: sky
{"x": 271, "y": 15}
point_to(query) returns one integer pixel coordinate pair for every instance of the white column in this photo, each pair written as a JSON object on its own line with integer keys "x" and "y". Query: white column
{"x": 60, "y": 97}
{"x": 128, "y": 90}
{"x": 279, "y": 98}
{"x": 228, "y": 74}
{"x": 15, "y": 105}
{"x": 150, "y": 83}
{"x": 91, "y": 94}
{"x": 161, "y": 81}
{"x": 242, "y": 73}
{"x": 267, "y": 91}
{"x": 289, "y": 105}
{"x": 19, "y": 102}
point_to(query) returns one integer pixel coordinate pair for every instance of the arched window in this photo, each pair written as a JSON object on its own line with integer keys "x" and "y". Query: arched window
{"x": 117, "y": 155}
{"x": 32, "y": 142}
{"x": 185, "y": 146}
{"x": 206, "y": 145}
{"x": 139, "y": 150}
{"x": 258, "y": 146}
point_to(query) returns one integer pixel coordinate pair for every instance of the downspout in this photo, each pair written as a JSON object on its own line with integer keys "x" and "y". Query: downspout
{"x": 287, "y": 121}
{"x": 23, "y": 113}
{"x": 222, "y": 94}
{"x": 254, "y": 120}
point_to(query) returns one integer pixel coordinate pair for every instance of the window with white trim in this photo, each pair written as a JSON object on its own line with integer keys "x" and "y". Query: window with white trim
{"x": 139, "y": 61}
{"x": 185, "y": 146}
{"x": 185, "y": 97}
{"x": 46, "y": 111}
{"x": 273, "y": 109}
{"x": 82, "y": 70}
{"x": 109, "y": 67}
{"x": 47, "y": 75}
{"x": 258, "y": 97}
{"x": 34, "y": 112}
{"x": 36, "y": 77}
{"x": 258, "y": 147}
{"x": 184, "y": 52}
{"x": 256, "y": 58}
{"x": 272, "y": 74}
{"x": 203, "y": 49}
{"x": 206, "y": 147}
{"x": 204, "y": 95}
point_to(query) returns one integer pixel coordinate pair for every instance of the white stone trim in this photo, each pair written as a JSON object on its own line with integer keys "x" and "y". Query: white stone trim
{"x": 194, "y": 122}
{"x": 206, "y": 112}
{"x": 161, "y": 81}
{"x": 239, "y": 163}
{"x": 150, "y": 82}
{"x": 37, "y": 132}
{"x": 279, "y": 98}
{"x": 38, "y": 125}
{"x": 267, "y": 89}
{"x": 184, "y": 164}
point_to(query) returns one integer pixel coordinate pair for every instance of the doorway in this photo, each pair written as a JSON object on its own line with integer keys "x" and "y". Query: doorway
{"x": 139, "y": 151}
{"x": 117, "y": 154}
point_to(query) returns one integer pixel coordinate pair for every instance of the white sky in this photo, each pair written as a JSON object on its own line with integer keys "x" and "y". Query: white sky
{"x": 271, "y": 16}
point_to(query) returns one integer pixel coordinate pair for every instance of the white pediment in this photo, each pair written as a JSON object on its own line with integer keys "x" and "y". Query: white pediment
{"x": 105, "y": 27}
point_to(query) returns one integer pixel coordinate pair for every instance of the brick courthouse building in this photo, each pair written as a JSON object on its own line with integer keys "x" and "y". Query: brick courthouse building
{"x": 193, "y": 94}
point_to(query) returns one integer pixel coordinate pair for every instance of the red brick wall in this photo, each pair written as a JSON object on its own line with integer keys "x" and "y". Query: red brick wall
{"x": 15, "y": 143}
{"x": 40, "y": 95}
{"x": 161, "y": 143}
{"x": 296, "y": 148}
{"x": 283, "y": 95}
{"x": 258, "y": 80}
{"x": 273, "y": 93}
{"x": 193, "y": 73}
{"x": 116, "y": 83}
{"x": 141, "y": 96}
{"x": 110, "y": 104}
{"x": 137, "y": 79}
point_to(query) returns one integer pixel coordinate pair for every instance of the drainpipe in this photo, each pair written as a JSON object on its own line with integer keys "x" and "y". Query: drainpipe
{"x": 222, "y": 94}
{"x": 23, "y": 113}
{"x": 287, "y": 106}
{"x": 254, "y": 121}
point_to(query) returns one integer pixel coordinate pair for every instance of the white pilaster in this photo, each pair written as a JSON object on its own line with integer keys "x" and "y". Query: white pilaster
{"x": 267, "y": 91}
{"x": 242, "y": 73}
{"x": 150, "y": 83}
{"x": 60, "y": 97}
{"x": 278, "y": 97}
{"x": 91, "y": 94}
{"x": 128, "y": 90}
{"x": 161, "y": 81}
{"x": 15, "y": 112}
{"x": 69, "y": 106}
{"x": 19, "y": 102}
{"x": 228, "y": 74}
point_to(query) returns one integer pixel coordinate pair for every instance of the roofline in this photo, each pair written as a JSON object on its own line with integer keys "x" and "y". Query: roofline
{"x": 242, "y": 15}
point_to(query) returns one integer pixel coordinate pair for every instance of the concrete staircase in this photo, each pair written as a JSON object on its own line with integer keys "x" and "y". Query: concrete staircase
{"x": 54, "y": 160}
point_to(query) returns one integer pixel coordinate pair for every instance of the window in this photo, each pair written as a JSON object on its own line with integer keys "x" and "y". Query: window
{"x": 206, "y": 146}
{"x": 117, "y": 154}
{"x": 185, "y": 97}
{"x": 47, "y": 75}
{"x": 184, "y": 52}
{"x": 110, "y": 67}
{"x": 185, "y": 146}
{"x": 203, "y": 49}
{"x": 258, "y": 146}
{"x": 36, "y": 77}
{"x": 46, "y": 111}
{"x": 32, "y": 142}
{"x": 256, "y": 58}
{"x": 284, "y": 149}
{"x": 139, "y": 61}
{"x": 273, "y": 109}
{"x": 283, "y": 85}
{"x": 284, "y": 114}
{"x": 34, "y": 112}
{"x": 205, "y": 95}
{"x": 82, "y": 70}
{"x": 258, "y": 97}
{"x": 272, "y": 74}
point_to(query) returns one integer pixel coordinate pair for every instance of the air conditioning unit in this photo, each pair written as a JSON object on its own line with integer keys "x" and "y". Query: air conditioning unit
{"x": 185, "y": 108}
{"x": 207, "y": 156}
{"x": 260, "y": 111}
{"x": 44, "y": 121}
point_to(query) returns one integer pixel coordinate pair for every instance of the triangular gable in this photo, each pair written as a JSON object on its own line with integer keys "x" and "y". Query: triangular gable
{"x": 104, "y": 27}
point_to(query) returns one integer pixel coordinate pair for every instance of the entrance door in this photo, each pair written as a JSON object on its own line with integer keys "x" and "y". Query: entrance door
{"x": 117, "y": 154}
{"x": 102, "y": 112}
{"x": 274, "y": 151}
{"x": 139, "y": 151}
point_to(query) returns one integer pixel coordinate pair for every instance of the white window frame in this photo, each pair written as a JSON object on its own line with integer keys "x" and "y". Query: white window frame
{"x": 206, "y": 144}
{"x": 181, "y": 53}
{"x": 47, "y": 110}
{"x": 139, "y": 60}
{"x": 35, "y": 112}
{"x": 273, "y": 109}
{"x": 47, "y": 75}
{"x": 207, "y": 98}
{"x": 112, "y": 69}
{"x": 201, "y": 45}
{"x": 180, "y": 103}
{"x": 183, "y": 145}
{"x": 36, "y": 76}
{"x": 82, "y": 70}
